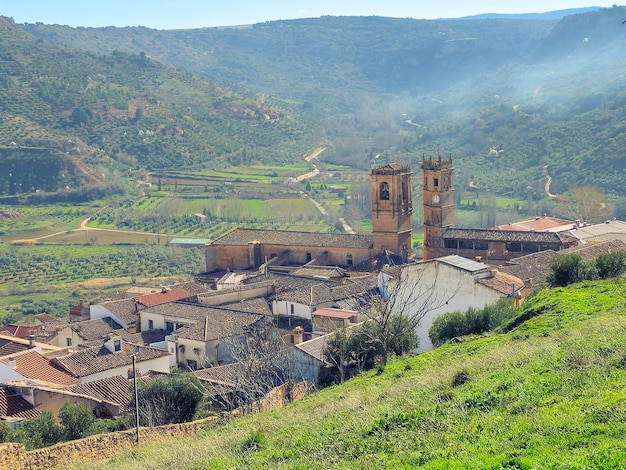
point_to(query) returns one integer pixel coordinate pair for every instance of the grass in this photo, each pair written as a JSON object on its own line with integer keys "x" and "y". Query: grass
{"x": 550, "y": 393}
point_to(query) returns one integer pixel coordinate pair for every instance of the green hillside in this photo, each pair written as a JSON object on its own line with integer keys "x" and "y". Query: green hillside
{"x": 549, "y": 393}
{"x": 513, "y": 100}
{"x": 83, "y": 116}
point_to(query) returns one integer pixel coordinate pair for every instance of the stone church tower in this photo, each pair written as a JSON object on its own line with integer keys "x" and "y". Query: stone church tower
{"x": 392, "y": 209}
{"x": 438, "y": 202}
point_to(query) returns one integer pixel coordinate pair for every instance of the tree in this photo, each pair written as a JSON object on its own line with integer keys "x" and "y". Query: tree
{"x": 262, "y": 362}
{"x": 76, "y": 419}
{"x": 568, "y": 269}
{"x": 42, "y": 431}
{"x": 396, "y": 312}
{"x": 171, "y": 399}
{"x": 586, "y": 204}
{"x": 611, "y": 264}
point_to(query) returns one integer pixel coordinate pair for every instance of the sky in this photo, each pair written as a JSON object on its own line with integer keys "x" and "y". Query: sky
{"x": 184, "y": 14}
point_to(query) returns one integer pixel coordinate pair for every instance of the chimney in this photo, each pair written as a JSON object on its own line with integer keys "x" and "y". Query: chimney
{"x": 478, "y": 259}
{"x": 31, "y": 341}
{"x": 297, "y": 335}
{"x": 12, "y": 362}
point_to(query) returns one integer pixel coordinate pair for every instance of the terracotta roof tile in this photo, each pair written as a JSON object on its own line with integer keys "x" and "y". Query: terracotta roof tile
{"x": 93, "y": 360}
{"x": 124, "y": 309}
{"x": 112, "y": 389}
{"x": 92, "y": 329}
{"x": 335, "y": 313}
{"x": 33, "y": 365}
{"x": 165, "y": 296}
{"x": 503, "y": 282}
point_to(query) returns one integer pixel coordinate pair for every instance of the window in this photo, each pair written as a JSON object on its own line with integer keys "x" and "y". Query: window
{"x": 192, "y": 365}
{"x": 169, "y": 326}
{"x": 196, "y": 351}
{"x": 151, "y": 324}
{"x": 292, "y": 308}
{"x": 117, "y": 345}
{"x": 384, "y": 191}
{"x": 349, "y": 259}
{"x": 308, "y": 256}
{"x": 68, "y": 342}
{"x": 436, "y": 182}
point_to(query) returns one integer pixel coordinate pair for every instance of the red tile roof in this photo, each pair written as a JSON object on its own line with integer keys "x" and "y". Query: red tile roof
{"x": 33, "y": 365}
{"x": 334, "y": 313}
{"x": 165, "y": 296}
{"x": 19, "y": 331}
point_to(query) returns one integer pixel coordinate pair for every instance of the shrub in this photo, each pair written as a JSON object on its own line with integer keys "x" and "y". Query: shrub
{"x": 568, "y": 269}
{"x": 611, "y": 264}
{"x": 76, "y": 419}
{"x": 473, "y": 321}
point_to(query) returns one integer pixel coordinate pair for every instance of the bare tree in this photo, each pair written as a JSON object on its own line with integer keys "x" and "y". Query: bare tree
{"x": 406, "y": 294}
{"x": 587, "y": 204}
{"x": 262, "y": 362}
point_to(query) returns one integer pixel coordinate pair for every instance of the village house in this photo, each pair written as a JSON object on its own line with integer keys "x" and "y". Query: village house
{"x": 203, "y": 336}
{"x": 433, "y": 287}
{"x": 113, "y": 357}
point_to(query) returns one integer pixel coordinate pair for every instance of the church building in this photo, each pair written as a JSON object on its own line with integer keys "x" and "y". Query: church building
{"x": 391, "y": 221}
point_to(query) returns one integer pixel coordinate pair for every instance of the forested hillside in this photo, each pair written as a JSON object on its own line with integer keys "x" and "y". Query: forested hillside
{"x": 513, "y": 101}
{"x": 71, "y": 117}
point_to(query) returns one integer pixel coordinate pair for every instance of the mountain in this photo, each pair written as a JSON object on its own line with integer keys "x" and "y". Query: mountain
{"x": 81, "y": 115}
{"x": 555, "y": 15}
{"x": 513, "y": 100}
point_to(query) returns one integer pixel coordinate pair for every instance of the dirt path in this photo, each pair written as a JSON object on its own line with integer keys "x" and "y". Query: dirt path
{"x": 547, "y": 187}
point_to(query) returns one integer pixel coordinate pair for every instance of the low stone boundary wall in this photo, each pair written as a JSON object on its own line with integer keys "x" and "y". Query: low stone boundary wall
{"x": 14, "y": 456}
{"x": 101, "y": 446}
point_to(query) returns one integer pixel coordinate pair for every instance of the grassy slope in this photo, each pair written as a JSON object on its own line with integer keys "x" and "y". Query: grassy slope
{"x": 551, "y": 393}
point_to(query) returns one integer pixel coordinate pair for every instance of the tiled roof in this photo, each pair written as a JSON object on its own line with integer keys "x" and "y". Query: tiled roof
{"x": 13, "y": 406}
{"x": 8, "y": 347}
{"x": 45, "y": 318}
{"x": 219, "y": 324}
{"x": 507, "y": 235}
{"x": 503, "y": 283}
{"x": 162, "y": 297}
{"x": 33, "y": 365}
{"x": 146, "y": 337}
{"x": 315, "y": 347}
{"x": 19, "y": 331}
{"x": 319, "y": 271}
{"x": 539, "y": 224}
{"x": 258, "y": 306}
{"x": 334, "y": 313}
{"x": 124, "y": 309}
{"x": 92, "y": 329}
{"x": 223, "y": 375}
{"x": 242, "y": 236}
{"x": 323, "y": 293}
{"x": 112, "y": 389}
{"x": 93, "y": 360}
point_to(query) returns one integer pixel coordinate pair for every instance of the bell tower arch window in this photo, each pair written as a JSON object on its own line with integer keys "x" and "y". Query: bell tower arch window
{"x": 384, "y": 191}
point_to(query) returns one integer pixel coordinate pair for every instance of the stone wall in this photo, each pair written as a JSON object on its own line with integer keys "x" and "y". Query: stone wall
{"x": 104, "y": 446}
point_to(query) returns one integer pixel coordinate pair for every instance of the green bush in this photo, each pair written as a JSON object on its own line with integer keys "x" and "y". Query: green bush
{"x": 473, "y": 321}
{"x": 76, "y": 419}
{"x": 611, "y": 264}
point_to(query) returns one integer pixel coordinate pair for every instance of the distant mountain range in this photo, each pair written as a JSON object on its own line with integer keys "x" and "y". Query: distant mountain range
{"x": 512, "y": 99}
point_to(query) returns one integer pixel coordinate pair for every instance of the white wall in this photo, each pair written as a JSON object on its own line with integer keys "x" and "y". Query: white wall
{"x": 438, "y": 288}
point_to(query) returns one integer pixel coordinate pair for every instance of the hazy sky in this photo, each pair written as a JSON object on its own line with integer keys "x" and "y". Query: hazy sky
{"x": 173, "y": 14}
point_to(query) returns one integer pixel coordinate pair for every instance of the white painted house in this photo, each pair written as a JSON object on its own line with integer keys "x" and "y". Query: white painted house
{"x": 444, "y": 285}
